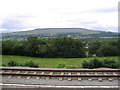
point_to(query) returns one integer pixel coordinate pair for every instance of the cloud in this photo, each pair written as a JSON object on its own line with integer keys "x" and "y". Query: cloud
{"x": 25, "y": 14}
{"x": 2, "y": 30}
{"x": 14, "y": 23}
{"x": 111, "y": 29}
{"x": 106, "y": 10}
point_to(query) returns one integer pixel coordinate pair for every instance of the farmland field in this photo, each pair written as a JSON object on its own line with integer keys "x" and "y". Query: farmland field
{"x": 49, "y": 62}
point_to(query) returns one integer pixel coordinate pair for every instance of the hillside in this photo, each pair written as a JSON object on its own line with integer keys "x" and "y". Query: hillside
{"x": 60, "y": 32}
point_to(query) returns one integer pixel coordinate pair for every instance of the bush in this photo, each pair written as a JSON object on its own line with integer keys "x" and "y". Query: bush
{"x": 30, "y": 64}
{"x": 95, "y": 63}
{"x": 12, "y": 63}
{"x": 3, "y": 65}
{"x": 110, "y": 64}
{"x": 61, "y": 66}
{"x": 85, "y": 64}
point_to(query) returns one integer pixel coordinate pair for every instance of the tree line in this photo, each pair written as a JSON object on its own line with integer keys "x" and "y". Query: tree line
{"x": 104, "y": 48}
{"x": 45, "y": 47}
{"x": 62, "y": 47}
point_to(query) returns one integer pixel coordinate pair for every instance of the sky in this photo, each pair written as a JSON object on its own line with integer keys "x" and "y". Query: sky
{"x": 22, "y": 15}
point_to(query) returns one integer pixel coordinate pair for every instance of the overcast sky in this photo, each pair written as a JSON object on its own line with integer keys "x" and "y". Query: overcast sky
{"x": 19, "y": 15}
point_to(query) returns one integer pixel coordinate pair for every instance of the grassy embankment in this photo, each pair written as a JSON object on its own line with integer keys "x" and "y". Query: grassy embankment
{"x": 49, "y": 62}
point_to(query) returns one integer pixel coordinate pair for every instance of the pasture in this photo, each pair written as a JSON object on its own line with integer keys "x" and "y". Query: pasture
{"x": 49, "y": 62}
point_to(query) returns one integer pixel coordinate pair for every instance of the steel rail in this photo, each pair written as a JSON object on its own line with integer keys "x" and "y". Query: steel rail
{"x": 58, "y": 75}
{"x": 63, "y": 70}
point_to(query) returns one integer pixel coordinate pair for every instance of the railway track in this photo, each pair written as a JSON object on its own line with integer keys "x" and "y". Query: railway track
{"x": 60, "y": 77}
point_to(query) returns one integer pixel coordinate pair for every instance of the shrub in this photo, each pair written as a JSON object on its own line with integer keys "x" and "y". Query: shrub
{"x": 12, "y": 63}
{"x": 110, "y": 64}
{"x": 85, "y": 64}
{"x": 94, "y": 63}
{"x": 61, "y": 66}
{"x": 30, "y": 64}
{"x": 3, "y": 65}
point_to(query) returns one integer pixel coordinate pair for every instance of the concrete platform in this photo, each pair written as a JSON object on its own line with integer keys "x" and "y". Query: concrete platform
{"x": 47, "y": 87}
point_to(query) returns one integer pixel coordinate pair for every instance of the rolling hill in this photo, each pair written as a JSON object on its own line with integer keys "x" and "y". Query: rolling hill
{"x": 60, "y": 32}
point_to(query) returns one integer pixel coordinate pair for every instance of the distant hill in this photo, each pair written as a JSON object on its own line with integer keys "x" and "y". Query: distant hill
{"x": 60, "y": 32}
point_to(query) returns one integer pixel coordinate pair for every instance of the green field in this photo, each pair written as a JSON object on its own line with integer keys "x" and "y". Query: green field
{"x": 49, "y": 62}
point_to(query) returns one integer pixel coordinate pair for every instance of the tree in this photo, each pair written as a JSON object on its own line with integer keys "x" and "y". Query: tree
{"x": 12, "y": 47}
{"x": 7, "y": 47}
{"x": 31, "y": 46}
{"x": 93, "y": 47}
{"x": 108, "y": 50}
{"x": 116, "y": 44}
{"x": 17, "y": 49}
{"x": 69, "y": 48}
{"x": 42, "y": 50}
{"x": 104, "y": 48}
{"x": 119, "y": 46}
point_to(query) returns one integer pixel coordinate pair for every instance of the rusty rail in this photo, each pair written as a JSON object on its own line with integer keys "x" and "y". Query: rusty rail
{"x": 48, "y": 75}
{"x": 63, "y": 70}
